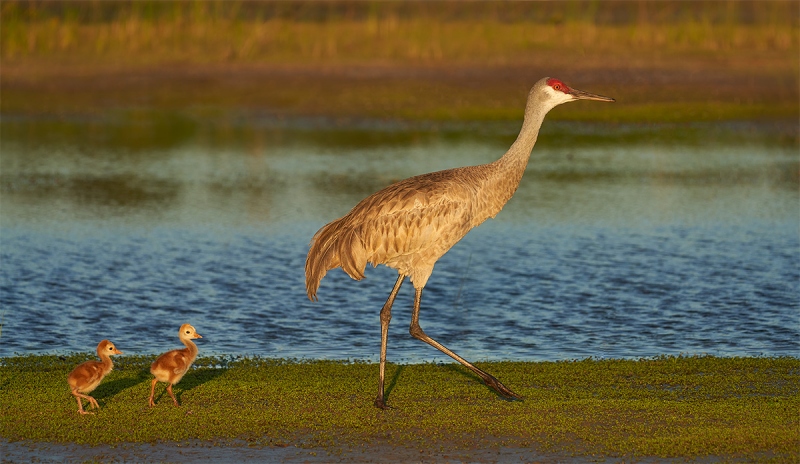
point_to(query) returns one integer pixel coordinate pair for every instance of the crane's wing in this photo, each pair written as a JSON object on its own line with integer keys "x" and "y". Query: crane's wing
{"x": 407, "y": 225}
{"x": 86, "y": 375}
{"x": 172, "y": 362}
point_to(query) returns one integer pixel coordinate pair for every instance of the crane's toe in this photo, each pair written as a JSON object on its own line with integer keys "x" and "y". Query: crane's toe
{"x": 501, "y": 389}
{"x": 380, "y": 404}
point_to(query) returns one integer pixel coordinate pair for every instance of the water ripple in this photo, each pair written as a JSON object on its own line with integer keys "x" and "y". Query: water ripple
{"x": 505, "y": 292}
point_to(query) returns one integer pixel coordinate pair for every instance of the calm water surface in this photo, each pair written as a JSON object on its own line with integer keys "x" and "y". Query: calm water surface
{"x": 621, "y": 241}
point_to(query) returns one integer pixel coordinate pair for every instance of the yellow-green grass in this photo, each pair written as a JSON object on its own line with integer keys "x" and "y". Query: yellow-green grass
{"x": 670, "y": 407}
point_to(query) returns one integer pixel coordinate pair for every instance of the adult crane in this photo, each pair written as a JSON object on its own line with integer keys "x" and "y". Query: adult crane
{"x": 410, "y": 224}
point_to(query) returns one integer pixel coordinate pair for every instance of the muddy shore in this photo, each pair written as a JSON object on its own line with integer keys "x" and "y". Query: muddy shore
{"x": 241, "y": 452}
{"x": 645, "y": 92}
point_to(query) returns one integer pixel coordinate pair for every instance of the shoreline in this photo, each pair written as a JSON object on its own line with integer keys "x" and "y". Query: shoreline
{"x": 229, "y": 451}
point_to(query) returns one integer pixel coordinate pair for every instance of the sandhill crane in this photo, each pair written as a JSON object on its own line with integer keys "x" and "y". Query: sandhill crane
{"x": 88, "y": 375}
{"x": 410, "y": 224}
{"x": 171, "y": 366}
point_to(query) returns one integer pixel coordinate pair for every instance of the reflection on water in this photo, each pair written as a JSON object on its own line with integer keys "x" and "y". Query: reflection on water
{"x": 620, "y": 242}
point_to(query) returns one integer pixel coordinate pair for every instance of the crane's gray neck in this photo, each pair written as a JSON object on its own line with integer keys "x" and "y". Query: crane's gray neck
{"x": 508, "y": 170}
{"x": 520, "y": 150}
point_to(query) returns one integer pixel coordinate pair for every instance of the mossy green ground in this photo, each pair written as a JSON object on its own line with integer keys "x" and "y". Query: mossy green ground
{"x": 672, "y": 407}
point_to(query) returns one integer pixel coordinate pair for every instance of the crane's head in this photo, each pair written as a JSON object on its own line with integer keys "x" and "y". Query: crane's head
{"x": 107, "y": 348}
{"x": 553, "y": 92}
{"x": 187, "y": 331}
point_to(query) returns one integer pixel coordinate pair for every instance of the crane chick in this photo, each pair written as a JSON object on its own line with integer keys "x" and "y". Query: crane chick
{"x": 171, "y": 366}
{"x": 88, "y": 375}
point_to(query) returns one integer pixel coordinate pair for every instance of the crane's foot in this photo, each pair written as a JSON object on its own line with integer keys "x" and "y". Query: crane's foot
{"x": 172, "y": 395}
{"x": 380, "y": 404}
{"x": 501, "y": 389}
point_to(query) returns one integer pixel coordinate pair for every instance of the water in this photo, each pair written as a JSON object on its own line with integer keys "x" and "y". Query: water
{"x": 621, "y": 242}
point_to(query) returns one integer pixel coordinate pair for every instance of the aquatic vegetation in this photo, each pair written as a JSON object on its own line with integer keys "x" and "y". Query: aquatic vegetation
{"x": 671, "y": 407}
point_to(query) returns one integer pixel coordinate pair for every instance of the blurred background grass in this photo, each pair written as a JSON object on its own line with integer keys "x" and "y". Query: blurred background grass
{"x": 139, "y": 32}
{"x": 429, "y": 60}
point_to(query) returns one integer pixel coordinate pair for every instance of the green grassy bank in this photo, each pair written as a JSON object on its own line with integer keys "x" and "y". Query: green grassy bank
{"x": 672, "y": 407}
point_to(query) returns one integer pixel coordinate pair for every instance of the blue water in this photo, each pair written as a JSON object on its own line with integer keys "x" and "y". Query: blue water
{"x": 612, "y": 251}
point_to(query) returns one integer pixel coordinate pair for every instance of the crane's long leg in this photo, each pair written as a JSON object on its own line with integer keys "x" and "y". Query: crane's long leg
{"x": 153, "y": 392}
{"x": 169, "y": 390}
{"x": 92, "y": 401}
{"x": 416, "y": 332}
{"x": 386, "y": 317}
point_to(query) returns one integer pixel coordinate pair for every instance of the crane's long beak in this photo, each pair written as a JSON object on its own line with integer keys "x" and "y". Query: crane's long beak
{"x": 581, "y": 95}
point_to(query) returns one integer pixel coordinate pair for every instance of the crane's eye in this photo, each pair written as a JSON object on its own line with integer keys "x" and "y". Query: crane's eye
{"x": 110, "y": 348}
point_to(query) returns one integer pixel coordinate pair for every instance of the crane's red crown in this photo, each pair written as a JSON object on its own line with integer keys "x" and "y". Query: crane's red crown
{"x": 558, "y": 85}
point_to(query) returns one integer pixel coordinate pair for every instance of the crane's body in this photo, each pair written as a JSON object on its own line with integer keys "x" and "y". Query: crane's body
{"x": 88, "y": 375}
{"x": 410, "y": 224}
{"x": 171, "y": 366}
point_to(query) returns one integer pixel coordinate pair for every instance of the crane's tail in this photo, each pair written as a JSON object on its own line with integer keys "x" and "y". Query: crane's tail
{"x": 334, "y": 245}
